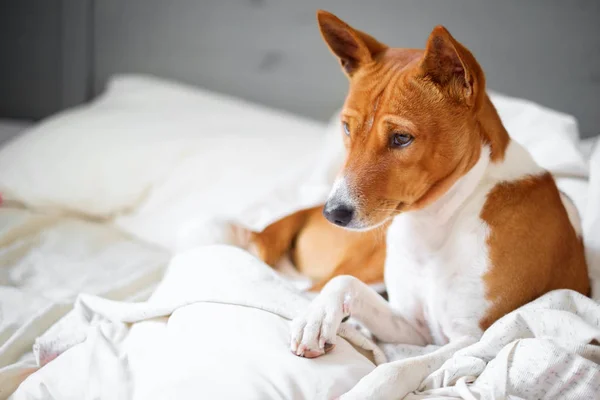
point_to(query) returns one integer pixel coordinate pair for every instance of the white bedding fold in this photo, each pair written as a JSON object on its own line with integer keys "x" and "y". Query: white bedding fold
{"x": 102, "y": 355}
{"x": 45, "y": 261}
{"x": 546, "y": 349}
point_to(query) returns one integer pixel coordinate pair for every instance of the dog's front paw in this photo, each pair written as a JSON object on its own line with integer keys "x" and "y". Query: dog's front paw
{"x": 314, "y": 332}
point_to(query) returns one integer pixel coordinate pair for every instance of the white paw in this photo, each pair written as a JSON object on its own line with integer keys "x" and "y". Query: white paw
{"x": 314, "y": 332}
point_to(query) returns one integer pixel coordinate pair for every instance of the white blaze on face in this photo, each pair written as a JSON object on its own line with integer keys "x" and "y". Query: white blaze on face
{"x": 341, "y": 194}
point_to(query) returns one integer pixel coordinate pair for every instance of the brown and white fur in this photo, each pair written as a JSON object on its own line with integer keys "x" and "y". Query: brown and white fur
{"x": 476, "y": 228}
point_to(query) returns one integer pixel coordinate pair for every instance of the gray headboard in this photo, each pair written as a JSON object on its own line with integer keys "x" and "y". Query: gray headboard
{"x": 270, "y": 51}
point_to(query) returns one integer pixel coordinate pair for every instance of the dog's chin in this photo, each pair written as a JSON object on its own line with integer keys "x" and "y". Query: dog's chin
{"x": 362, "y": 226}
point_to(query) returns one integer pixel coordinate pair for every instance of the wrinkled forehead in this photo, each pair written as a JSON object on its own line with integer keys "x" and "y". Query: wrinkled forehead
{"x": 386, "y": 82}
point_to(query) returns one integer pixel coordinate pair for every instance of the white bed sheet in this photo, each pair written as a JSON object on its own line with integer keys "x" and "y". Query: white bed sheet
{"x": 46, "y": 261}
{"x": 217, "y": 327}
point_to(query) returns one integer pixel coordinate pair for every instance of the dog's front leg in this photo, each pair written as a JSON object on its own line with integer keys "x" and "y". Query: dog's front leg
{"x": 396, "y": 379}
{"x": 314, "y": 332}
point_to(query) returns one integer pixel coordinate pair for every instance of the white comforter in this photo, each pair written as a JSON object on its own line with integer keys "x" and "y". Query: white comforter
{"x": 217, "y": 326}
{"x": 192, "y": 339}
{"x": 44, "y": 260}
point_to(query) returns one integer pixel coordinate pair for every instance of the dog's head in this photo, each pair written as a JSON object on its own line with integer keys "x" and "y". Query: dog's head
{"x": 410, "y": 123}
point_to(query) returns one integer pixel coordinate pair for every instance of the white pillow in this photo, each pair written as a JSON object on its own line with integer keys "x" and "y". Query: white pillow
{"x": 103, "y": 159}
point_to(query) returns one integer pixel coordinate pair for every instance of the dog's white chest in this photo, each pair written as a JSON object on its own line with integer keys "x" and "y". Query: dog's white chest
{"x": 434, "y": 274}
{"x": 437, "y": 257}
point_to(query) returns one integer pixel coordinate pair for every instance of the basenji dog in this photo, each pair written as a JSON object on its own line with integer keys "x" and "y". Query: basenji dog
{"x": 475, "y": 228}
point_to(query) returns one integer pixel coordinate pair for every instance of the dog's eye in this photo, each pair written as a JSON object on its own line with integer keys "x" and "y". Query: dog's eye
{"x": 401, "y": 140}
{"x": 346, "y": 128}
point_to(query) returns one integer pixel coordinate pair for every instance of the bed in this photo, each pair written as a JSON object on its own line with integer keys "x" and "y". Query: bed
{"x": 87, "y": 238}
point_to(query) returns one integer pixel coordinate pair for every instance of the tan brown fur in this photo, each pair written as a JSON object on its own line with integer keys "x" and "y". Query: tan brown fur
{"x": 533, "y": 247}
{"x": 276, "y": 240}
{"x": 321, "y": 250}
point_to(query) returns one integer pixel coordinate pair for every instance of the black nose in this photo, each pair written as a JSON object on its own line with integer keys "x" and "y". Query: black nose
{"x": 339, "y": 214}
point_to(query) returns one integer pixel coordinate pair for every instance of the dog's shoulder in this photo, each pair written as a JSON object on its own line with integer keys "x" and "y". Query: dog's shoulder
{"x": 533, "y": 241}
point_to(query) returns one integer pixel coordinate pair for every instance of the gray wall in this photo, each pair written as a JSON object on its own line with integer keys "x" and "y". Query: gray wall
{"x": 270, "y": 51}
{"x": 29, "y": 45}
{"x": 45, "y": 56}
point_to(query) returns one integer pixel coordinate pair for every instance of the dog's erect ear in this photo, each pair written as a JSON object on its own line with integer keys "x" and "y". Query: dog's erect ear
{"x": 449, "y": 64}
{"x": 353, "y": 48}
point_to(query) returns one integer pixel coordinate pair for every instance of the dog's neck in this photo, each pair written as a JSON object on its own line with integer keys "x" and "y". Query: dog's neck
{"x": 442, "y": 209}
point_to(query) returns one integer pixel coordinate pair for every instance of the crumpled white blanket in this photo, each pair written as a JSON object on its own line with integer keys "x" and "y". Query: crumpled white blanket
{"x": 96, "y": 352}
{"x": 548, "y": 349}
{"x": 45, "y": 261}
